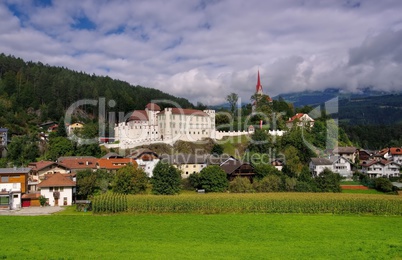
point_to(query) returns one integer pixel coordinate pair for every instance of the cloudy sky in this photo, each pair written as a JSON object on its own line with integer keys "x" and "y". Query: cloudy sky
{"x": 205, "y": 49}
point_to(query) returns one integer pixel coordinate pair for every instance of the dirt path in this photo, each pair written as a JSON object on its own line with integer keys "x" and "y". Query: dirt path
{"x": 31, "y": 211}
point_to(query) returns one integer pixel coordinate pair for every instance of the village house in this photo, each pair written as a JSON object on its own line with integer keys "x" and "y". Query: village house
{"x": 348, "y": 152}
{"x": 146, "y": 159}
{"x": 236, "y": 168}
{"x": 342, "y": 166}
{"x": 77, "y": 163}
{"x": 58, "y": 189}
{"x": 74, "y": 128}
{"x": 186, "y": 163}
{"x": 42, "y": 168}
{"x": 365, "y": 155}
{"x": 337, "y": 164}
{"x": 300, "y": 120}
{"x": 318, "y": 165}
{"x": 113, "y": 164}
{"x": 392, "y": 154}
{"x": 13, "y": 183}
{"x": 396, "y": 154}
{"x": 380, "y": 168}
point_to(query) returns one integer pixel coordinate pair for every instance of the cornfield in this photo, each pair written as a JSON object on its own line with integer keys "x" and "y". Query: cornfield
{"x": 109, "y": 203}
{"x": 306, "y": 203}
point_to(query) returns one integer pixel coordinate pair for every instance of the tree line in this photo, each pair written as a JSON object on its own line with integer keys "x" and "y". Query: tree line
{"x": 33, "y": 92}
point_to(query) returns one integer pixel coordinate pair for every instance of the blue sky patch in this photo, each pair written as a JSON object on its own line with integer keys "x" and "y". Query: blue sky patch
{"x": 43, "y": 3}
{"x": 83, "y": 23}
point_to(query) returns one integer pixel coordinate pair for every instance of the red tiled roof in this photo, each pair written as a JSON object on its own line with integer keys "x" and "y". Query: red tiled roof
{"x": 297, "y": 116}
{"x": 35, "y": 195}
{"x": 115, "y": 163}
{"x": 185, "y": 111}
{"x": 372, "y": 162}
{"x": 395, "y": 150}
{"x": 37, "y": 166}
{"x": 57, "y": 180}
{"x": 78, "y": 163}
{"x": 138, "y": 115}
{"x": 153, "y": 107}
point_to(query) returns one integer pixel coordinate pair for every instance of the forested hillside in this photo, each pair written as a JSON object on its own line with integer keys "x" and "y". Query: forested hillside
{"x": 31, "y": 93}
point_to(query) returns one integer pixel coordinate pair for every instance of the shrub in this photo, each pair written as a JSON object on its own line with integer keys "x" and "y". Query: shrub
{"x": 290, "y": 184}
{"x": 194, "y": 180}
{"x": 130, "y": 180}
{"x": 42, "y": 200}
{"x": 302, "y": 186}
{"x": 213, "y": 179}
{"x": 328, "y": 181}
{"x": 383, "y": 184}
{"x": 270, "y": 183}
{"x": 240, "y": 185}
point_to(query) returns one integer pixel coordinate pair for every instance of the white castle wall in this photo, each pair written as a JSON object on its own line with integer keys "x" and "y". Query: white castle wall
{"x": 128, "y": 142}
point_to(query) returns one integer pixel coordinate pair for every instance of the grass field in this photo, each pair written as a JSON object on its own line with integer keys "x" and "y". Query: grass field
{"x": 200, "y": 236}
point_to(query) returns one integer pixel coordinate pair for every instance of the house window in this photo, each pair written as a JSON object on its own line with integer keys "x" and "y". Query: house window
{"x": 65, "y": 201}
{"x": 61, "y": 189}
{"x": 56, "y": 188}
{"x": 194, "y": 166}
{"x": 4, "y": 178}
{"x": 51, "y": 189}
{"x": 15, "y": 196}
{"x": 4, "y": 200}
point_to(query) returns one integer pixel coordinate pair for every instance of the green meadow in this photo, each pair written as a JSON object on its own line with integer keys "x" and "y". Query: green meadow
{"x": 201, "y": 236}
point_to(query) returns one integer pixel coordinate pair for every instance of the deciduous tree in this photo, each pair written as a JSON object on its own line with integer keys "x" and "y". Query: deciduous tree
{"x": 130, "y": 180}
{"x": 166, "y": 179}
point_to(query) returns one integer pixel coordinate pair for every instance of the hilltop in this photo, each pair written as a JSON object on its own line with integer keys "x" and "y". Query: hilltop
{"x": 32, "y": 93}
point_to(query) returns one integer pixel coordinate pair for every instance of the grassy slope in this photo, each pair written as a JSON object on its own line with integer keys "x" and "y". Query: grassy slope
{"x": 192, "y": 236}
{"x": 235, "y": 146}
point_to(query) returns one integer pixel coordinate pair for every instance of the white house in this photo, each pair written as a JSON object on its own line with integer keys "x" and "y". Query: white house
{"x": 342, "y": 166}
{"x": 380, "y": 168}
{"x": 10, "y": 195}
{"x": 318, "y": 165}
{"x": 396, "y": 154}
{"x": 58, "y": 189}
{"x": 337, "y": 164}
{"x": 146, "y": 159}
{"x": 300, "y": 119}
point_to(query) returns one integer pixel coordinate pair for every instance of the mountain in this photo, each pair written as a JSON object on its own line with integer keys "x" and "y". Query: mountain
{"x": 373, "y": 110}
{"x": 312, "y": 98}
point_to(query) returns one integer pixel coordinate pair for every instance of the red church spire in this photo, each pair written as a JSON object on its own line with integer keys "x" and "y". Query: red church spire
{"x": 258, "y": 87}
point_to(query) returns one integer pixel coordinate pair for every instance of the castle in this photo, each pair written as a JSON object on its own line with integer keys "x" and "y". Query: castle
{"x": 169, "y": 125}
{"x": 153, "y": 125}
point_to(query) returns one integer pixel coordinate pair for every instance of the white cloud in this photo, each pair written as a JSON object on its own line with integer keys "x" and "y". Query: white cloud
{"x": 204, "y": 50}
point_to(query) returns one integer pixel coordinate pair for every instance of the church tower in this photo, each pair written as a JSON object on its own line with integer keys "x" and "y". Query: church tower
{"x": 259, "y": 92}
{"x": 258, "y": 87}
